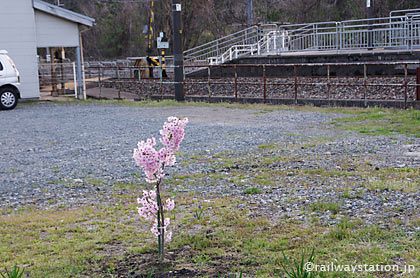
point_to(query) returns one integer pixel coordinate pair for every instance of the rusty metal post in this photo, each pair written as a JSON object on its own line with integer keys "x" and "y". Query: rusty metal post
{"x": 265, "y": 84}
{"x": 328, "y": 85}
{"x": 236, "y": 83}
{"x": 208, "y": 81}
{"x": 54, "y": 92}
{"x": 296, "y": 88}
{"x": 99, "y": 82}
{"x": 63, "y": 83}
{"x": 365, "y": 83}
{"x": 405, "y": 85}
{"x": 119, "y": 82}
{"x": 418, "y": 85}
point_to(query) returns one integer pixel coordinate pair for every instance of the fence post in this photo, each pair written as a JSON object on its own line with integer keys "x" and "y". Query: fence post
{"x": 275, "y": 42}
{"x": 296, "y": 85}
{"x": 328, "y": 85}
{"x": 265, "y": 84}
{"x": 337, "y": 34}
{"x": 79, "y": 74}
{"x": 99, "y": 82}
{"x": 236, "y": 83}
{"x": 407, "y": 33}
{"x": 63, "y": 81}
{"x": 208, "y": 81}
{"x": 405, "y": 85}
{"x": 54, "y": 82}
{"x": 365, "y": 83}
{"x": 119, "y": 82}
{"x": 74, "y": 79}
{"x": 412, "y": 34}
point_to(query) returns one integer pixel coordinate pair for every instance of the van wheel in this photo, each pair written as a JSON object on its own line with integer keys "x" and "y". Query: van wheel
{"x": 8, "y": 98}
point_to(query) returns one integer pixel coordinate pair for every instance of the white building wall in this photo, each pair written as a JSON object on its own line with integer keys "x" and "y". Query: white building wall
{"x": 18, "y": 37}
{"x": 52, "y": 31}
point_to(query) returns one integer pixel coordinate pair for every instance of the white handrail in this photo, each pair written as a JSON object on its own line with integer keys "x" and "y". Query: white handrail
{"x": 394, "y": 32}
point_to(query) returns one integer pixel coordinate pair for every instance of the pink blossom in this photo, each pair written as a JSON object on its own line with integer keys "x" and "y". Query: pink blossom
{"x": 149, "y": 207}
{"x": 153, "y": 163}
{"x": 170, "y": 204}
{"x": 173, "y": 133}
{"x": 147, "y": 157}
{"x": 149, "y": 210}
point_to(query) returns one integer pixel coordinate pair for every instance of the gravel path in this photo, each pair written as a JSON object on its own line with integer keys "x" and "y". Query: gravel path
{"x": 64, "y": 154}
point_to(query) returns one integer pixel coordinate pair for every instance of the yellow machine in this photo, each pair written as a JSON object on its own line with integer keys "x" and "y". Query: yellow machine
{"x": 145, "y": 65}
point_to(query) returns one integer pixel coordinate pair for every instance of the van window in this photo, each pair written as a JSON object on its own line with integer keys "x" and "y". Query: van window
{"x": 1, "y": 67}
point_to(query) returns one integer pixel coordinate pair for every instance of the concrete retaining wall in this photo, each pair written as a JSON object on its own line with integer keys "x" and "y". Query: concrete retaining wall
{"x": 354, "y": 70}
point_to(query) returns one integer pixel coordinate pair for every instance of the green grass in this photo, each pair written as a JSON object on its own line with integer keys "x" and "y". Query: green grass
{"x": 377, "y": 121}
{"x": 396, "y": 179}
{"x": 252, "y": 190}
{"x": 262, "y": 108}
{"x": 67, "y": 242}
{"x": 235, "y": 235}
{"x": 334, "y": 208}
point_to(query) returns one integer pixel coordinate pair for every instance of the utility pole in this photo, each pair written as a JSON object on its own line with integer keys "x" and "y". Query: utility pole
{"x": 369, "y": 8}
{"x": 369, "y": 16}
{"x": 249, "y": 12}
{"x": 177, "y": 49}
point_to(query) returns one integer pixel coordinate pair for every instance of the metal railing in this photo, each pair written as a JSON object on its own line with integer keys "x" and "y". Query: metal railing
{"x": 215, "y": 50}
{"x": 389, "y": 33}
{"x": 288, "y": 82}
{"x": 58, "y": 78}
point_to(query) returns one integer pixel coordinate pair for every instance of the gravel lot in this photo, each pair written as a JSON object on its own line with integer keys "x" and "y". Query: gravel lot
{"x": 64, "y": 154}
{"x": 46, "y": 147}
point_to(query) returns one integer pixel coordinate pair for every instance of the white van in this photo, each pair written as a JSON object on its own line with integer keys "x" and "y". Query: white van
{"x": 9, "y": 82}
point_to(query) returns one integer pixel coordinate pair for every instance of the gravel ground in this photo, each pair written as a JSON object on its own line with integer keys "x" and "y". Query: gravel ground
{"x": 64, "y": 154}
{"x": 47, "y": 149}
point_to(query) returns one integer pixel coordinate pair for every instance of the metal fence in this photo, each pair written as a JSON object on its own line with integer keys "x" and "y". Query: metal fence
{"x": 58, "y": 78}
{"x": 393, "y": 32}
{"x": 288, "y": 81}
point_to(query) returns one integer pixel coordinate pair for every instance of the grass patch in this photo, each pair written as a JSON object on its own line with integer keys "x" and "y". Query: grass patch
{"x": 379, "y": 121}
{"x": 252, "y": 190}
{"x": 334, "y": 208}
{"x": 92, "y": 241}
{"x": 397, "y": 179}
{"x": 58, "y": 243}
{"x": 262, "y": 108}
